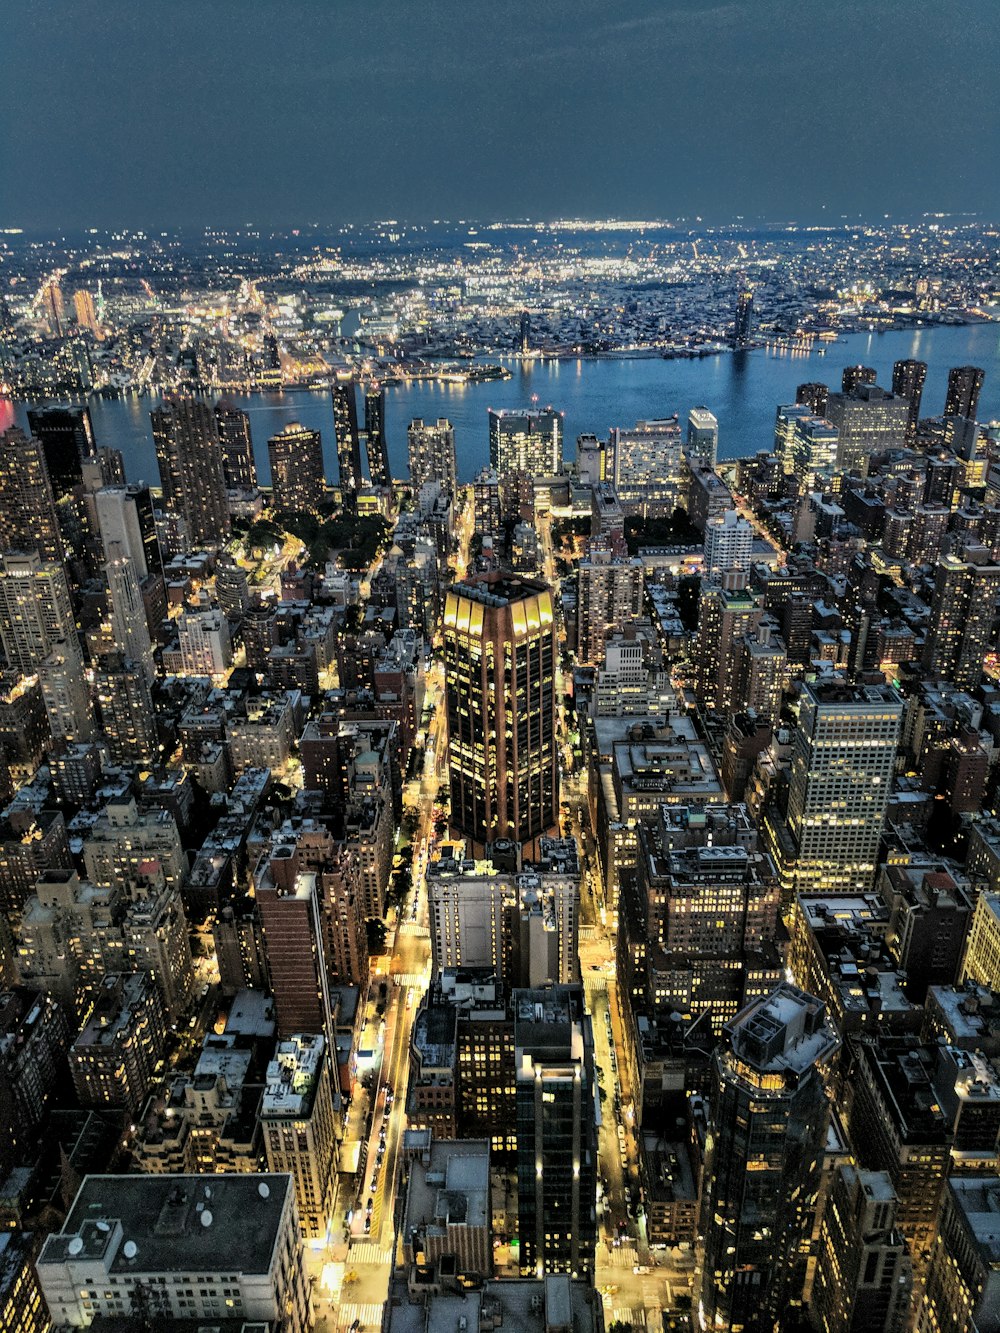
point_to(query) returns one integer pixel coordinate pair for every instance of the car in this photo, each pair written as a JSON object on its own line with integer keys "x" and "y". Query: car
{"x": 374, "y": 1184}
{"x": 371, "y": 1202}
{"x": 368, "y": 1225}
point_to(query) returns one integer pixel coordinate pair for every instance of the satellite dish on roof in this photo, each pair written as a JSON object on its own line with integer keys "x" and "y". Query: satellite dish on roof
{"x": 75, "y": 1246}
{"x": 206, "y": 1218}
{"x": 104, "y": 1226}
{"x": 130, "y": 1249}
{"x": 264, "y": 1190}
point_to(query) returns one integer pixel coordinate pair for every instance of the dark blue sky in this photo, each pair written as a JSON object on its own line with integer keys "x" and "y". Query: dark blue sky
{"x": 145, "y": 112}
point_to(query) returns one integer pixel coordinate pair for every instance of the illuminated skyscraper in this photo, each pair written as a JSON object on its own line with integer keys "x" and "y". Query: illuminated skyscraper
{"x": 238, "y": 465}
{"x": 854, "y": 376}
{"x": 528, "y": 441}
{"x": 126, "y": 519}
{"x": 763, "y": 1154}
{"x": 54, "y": 308}
{"x": 189, "y": 456}
{"x": 67, "y": 438}
{"x": 843, "y": 760}
{"x": 500, "y": 660}
{"x": 556, "y": 1135}
{"x": 86, "y": 315}
{"x": 66, "y": 693}
{"x": 376, "y": 444}
{"x": 297, "y": 480}
{"x": 345, "y": 425}
{"x": 703, "y": 433}
{"x": 128, "y": 612}
{"x": 28, "y": 520}
{"x": 743, "y": 324}
{"x": 35, "y": 610}
{"x": 963, "y": 607}
{"x": 432, "y": 454}
{"x": 964, "y": 385}
{"x": 868, "y": 421}
{"x": 908, "y": 382}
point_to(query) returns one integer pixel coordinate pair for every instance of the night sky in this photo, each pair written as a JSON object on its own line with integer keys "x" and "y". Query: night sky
{"x": 288, "y": 112}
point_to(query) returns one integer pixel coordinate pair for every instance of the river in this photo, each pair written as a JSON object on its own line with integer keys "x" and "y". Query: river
{"x": 742, "y": 390}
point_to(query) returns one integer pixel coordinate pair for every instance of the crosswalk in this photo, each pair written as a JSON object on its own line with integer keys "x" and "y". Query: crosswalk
{"x": 368, "y": 1314}
{"x": 410, "y": 979}
{"x": 414, "y": 928}
{"x": 622, "y": 1256}
{"x": 629, "y": 1314}
{"x": 369, "y": 1252}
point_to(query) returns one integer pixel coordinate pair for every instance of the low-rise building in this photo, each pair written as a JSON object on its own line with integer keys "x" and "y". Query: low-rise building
{"x": 182, "y": 1247}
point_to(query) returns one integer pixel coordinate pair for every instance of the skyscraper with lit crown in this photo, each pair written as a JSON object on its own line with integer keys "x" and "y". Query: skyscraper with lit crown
{"x": 500, "y": 661}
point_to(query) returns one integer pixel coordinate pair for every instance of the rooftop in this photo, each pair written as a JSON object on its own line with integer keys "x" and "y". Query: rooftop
{"x": 161, "y": 1222}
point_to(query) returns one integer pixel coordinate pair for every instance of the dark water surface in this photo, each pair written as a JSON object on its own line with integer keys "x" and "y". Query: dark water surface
{"x": 742, "y": 390}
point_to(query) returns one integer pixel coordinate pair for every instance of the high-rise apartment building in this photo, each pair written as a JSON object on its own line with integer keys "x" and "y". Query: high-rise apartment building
{"x": 28, "y": 520}
{"x": 125, "y": 704}
{"x": 527, "y": 440}
{"x": 22, "y": 1307}
{"x": 744, "y": 321}
{"x": 291, "y": 919}
{"x": 555, "y": 1091}
{"x": 646, "y": 464}
{"x": 376, "y": 445}
{"x": 199, "y": 1248}
{"x": 843, "y": 761}
{"x": 238, "y": 465}
{"x": 813, "y": 396}
{"x": 500, "y": 660}
{"x": 189, "y": 456}
{"x": 345, "y": 425}
{"x": 204, "y": 642}
{"x": 908, "y": 382}
{"x": 728, "y": 543}
{"x": 963, "y": 607}
{"x": 763, "y": 1155}
{"x": 116, "y": 1051}
{"x": 609, "y": 597}
{"x": 703, "y": 434}
{"x": 964, "y": 386}
{"x": 34, "y": 1039}
{"x": 300, "y": 1128}
{"x": 856, "y": 376}
{"x": 863, "y": 1278}
{"x": 296, "y": 458}
{"x": 432, "y": 454}
{"x": 36, "y": 612}
{"x": 66, "y": 693}
{"x": 728, "y": 610}
{"x": 67, "y": 438}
